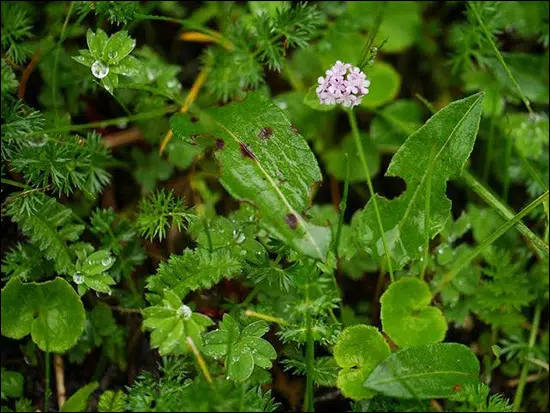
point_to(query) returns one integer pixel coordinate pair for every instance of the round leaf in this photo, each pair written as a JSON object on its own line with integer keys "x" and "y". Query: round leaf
{"x": 407, "y": 316}
{"x": 385, "y": 83}
{"x": 358, "y": 351}
{"x": 51, "y": 312}
{"x": 241, "y": 363}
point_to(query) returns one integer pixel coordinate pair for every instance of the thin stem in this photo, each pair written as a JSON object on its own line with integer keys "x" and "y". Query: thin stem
{"x": 427, "y": 214}
{"x": 271, "y": 319}
{"x": 357, "y": 138}
{"x": 200, "y": 360}
{"x": 507, "y": 158}
{"x": 498, "y": 205}
{"x": 525, "y": 369}
{"x": 310, "y": 357}
{"x": 342, "y": 207}
{"x": 490, "y": 143}
{"x": 489, "y": 240}
{"x": 109, "y": 122}
{"x": 47, "y": 381}
{"x": 500, "y": 58}
{"x": 56, "y": 59}
{"x": 15, "y": 183}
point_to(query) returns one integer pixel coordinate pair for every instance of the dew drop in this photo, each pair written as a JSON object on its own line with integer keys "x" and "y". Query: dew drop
{"x": 113, "y": 54}
{"x": 91, "y": 262}
{"x": 78, "y": 278}
{"x": 240, "y": 238}
{"x": 420, "y": 249}
{"x": 37, "y": 142}
{"x": 172, "y": 83}
{"x": 100, "y": 69}
{"x": 184, "y": 312}
{"x": 106, "y": 261}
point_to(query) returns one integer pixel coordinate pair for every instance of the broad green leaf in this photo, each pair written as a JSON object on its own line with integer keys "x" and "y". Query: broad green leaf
{"x": 111, "y": 401}
{"x": 401, "y": 22}
{"x": 407, "y": 316}
{"x": 129, "y": 66}
{"x": 385, "y": 83}
{"x": 265, "y": 161}
{"x": 96, "y": 42}
{"x": 118, "y": 47}
{"x": 358, "y": 351}
{"x": 394, "y": 123}
{"x": 241, "y": 349}
{"x": 78, "y": 401}
{"x": 448, "y": 137}
{"x": 335, "y": 159}
{"x": 425, "y": 372}
{"x": 51, "y": 312}
{"x": 172, "y": 322}
{"x": 12, "y": 384}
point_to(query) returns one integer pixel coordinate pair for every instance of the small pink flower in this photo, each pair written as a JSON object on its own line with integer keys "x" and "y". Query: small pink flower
{"x": 344, "y": 84}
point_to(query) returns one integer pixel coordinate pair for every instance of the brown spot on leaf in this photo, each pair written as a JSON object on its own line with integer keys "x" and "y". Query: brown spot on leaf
{"x": 220, "y": 143}
{"x": 292, "y": 221}
{"x": 194, "y": 119}
{"x": 265, "y": 133}
{"x": 294, "y": 129}
{"x": 245, "y": 150}
{"x": 457, "y": 387}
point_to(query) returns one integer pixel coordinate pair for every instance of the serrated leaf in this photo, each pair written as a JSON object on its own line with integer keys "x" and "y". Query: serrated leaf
{"x": 111, "y": 401}
{"x": 425, "y": 372}
{"x": 385, "y": 85}
{"x": 449, "y": 137}
{"x": 51, "y": 312}
{"x": 358, "y": 351}
{"x": 242, "y": 349}
{"x": 78, "y": 401}
{"x": 171, "y": 323}
{"x": 96, "y": 42}
{"x": 118, "y": 47}
{"x": 265, "y": 161}
{"x": 407, "y": 316}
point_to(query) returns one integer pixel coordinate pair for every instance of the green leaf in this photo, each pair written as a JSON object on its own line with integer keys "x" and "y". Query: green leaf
{"x": 111, "y": 401}
{"x": 425, "y": 372}
{"x": 401, "y": 22}
{"x": 97, "y": 262}
{"x": 96, "y": 43}
{"x": 385, "y": 85}
{"x": 12, "y": 384}
{"x": 449, "y": 137}
{"x": 241, "y": 349}
{"x": 407, "y": 316}
{"x": 171, "y": 323}
{"x": 335, "y": 159}
{"x": 51, "y": 312}
{"x": 118, "y": 47}
{"x": 358, "y": 351}
{"x": 394, "y": 123}
{"x": 129, "y": 66}
{"x": 264, "y": 161}
{"x": 78, "y": 401}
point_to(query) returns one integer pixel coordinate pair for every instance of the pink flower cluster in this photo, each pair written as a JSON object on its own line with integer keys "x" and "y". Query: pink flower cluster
{"x": 344, "y": 84}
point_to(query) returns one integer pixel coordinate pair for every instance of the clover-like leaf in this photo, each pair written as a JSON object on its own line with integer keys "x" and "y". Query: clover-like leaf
{"x": 51, "y": 312}
{"x": 118, "y": 47}
{"x": 96, "y": 42}
{"x": 171, "y": 323}
{"x": 445, "y": 142}
{"x": 426, "y": 372}
{"x": 385, "y": 85}
{"x": 407, "y": 316}
{"x": 358, "y": 351}
{"x": 90, "y": 271}
{"x": 241, "y": 349}
{"x": 264, "y": 160}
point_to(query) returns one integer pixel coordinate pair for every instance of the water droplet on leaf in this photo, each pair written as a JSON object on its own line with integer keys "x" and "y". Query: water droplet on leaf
{"x": 78, "y": 278}
{"x": 100, "y": 69}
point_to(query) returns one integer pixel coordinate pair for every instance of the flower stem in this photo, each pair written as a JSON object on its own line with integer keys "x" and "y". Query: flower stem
{"x": 489, "y": 240}
{"x": 361, "y": 153}
{"x": 271, "y": 319}
{"x": 525, "y": 369}
{"x": 310, "y": 356}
